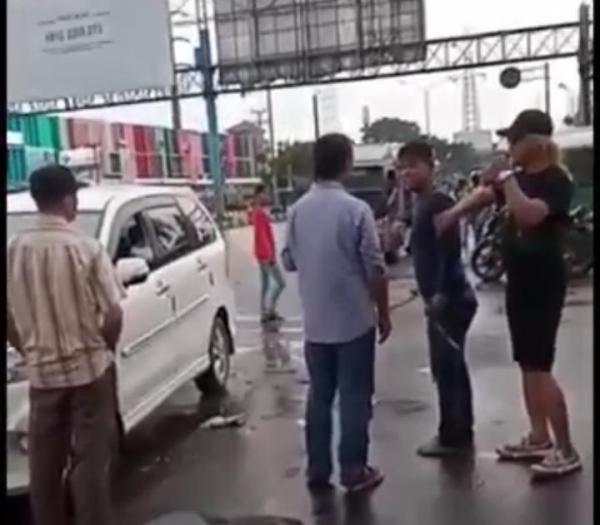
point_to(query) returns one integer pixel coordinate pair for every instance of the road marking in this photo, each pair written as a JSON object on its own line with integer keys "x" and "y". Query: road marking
{"x": 255, "y": 318}
{"x": 242, "y": 350}
{"x": 285, "y": 330}
{"x": 487, "y": 455}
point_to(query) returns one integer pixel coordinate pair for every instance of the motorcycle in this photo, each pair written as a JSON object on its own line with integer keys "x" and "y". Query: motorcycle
{"x": 391, "y": 236}
{"x": 579, "y": 246}
{"x": 486, "y": 260}
{"x": 487, "y": 263}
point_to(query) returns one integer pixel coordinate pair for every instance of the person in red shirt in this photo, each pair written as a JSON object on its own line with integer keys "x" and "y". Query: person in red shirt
{"x": 264, "y": 251}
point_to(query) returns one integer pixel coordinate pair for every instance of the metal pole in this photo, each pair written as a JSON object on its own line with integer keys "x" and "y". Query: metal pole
{"x": 175, "y": 107}
{"x": 315, "y": 103}
{"x": 547, "y": 87}
{"x": 204, "y": 62}
{"x": 427, "y": 112}
{"x": 585, "y": 64}
{"x": 175, "y": 112}
{"x": 272, "y": 151}
{"x": 271, "y": 123}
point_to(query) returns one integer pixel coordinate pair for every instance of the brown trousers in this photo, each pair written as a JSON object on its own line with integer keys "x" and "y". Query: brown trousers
{"x": 73, "y": 433}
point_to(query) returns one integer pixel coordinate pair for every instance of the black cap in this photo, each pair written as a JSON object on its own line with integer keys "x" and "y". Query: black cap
{"x": 50, "y": 184}
{"x": 528, "y": 122}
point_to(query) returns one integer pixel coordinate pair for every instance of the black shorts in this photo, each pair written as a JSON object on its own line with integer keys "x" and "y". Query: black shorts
{"x": 534, "y": 309}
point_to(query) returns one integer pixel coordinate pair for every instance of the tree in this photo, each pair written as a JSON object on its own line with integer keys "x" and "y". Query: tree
{"x": 391, "y": 130}
{"x": 293, "y": 159}
{"x": 453, "y": 158}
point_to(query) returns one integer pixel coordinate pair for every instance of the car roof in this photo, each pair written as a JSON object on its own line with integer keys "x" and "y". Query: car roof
{"x": 96, "y": 198}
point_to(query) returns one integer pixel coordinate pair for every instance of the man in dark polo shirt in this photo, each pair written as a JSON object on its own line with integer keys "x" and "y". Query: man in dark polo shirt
{"x": 449, "y": 301}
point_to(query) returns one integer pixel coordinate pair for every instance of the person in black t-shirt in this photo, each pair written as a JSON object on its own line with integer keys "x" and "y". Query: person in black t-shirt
{"x": 449, "y": 300}
{"x": 537, "y": 191}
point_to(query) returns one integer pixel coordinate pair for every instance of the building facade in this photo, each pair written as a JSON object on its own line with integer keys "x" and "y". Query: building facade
{"x": 126, "y": 152}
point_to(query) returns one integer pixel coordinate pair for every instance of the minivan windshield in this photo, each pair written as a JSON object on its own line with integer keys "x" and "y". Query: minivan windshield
{"x": 87, "y": 222}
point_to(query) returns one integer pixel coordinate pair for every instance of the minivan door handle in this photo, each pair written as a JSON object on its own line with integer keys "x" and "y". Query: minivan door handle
{"x": 162, "y": 288}
{"x": 201, "y": 265}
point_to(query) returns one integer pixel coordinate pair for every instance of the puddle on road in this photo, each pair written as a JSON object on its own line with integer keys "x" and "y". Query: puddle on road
{"x": 403, "y": 406}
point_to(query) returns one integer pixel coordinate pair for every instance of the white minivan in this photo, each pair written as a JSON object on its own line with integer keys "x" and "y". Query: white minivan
{"x": 179, "y": 310}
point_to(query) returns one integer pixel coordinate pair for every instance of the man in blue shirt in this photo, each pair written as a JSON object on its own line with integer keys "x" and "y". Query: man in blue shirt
{"x": 450, "y": 303}
{"x": 332, "y": 242}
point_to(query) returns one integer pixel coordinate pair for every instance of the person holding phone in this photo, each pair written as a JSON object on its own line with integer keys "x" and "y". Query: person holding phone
{"x": 537, "y": 192}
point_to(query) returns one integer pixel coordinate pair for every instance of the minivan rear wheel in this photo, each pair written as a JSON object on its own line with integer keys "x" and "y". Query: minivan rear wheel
{"x": 214, "y": 380}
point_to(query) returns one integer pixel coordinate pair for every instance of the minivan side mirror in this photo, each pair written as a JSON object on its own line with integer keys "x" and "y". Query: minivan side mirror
{"x": 132, "y": 270}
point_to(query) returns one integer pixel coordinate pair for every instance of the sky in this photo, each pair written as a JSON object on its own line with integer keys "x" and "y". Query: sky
{"x": 292, "y": 108}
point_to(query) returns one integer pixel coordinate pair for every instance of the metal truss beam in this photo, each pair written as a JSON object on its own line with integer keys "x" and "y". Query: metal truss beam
{"x": 445, "y": 54}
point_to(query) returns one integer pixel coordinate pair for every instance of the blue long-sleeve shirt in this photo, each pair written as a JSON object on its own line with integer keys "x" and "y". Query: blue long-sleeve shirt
{"x": 437, "y": 262}
{"x": 332, "y": 243}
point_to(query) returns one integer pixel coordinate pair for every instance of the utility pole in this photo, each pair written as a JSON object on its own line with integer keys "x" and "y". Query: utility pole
{"x": 315, "y": 104}
{"x": 175, "y": 108}
{"x": 426, "y": 102}
{"x": 205, "y": 64}
{"x": 585, "y": 65}
{"x": 547, "y": 87}
{"x": 272, "y": 151}
{"x": 271, "y": 122}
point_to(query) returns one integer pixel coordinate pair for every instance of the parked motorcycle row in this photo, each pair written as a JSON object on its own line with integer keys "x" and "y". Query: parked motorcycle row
{"x": 486, "y": 260}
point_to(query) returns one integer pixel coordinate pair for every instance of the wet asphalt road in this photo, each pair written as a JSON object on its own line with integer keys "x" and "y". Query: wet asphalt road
{"x": 244, "y": 476}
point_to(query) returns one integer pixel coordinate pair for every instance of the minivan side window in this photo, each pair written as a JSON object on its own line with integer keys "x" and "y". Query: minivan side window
{"x": 203, "y": 226}
{"x": 133, "y": 241}
{"x": 170, "y": 230}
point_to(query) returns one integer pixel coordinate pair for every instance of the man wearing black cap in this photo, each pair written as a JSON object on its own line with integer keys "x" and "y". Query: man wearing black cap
{"x": 64, "y": 319}
{"x": 537, "y": 192}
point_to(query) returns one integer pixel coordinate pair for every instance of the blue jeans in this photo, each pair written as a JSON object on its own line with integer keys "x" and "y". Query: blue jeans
{"x": 347, "y": 368}
{"x": 270, "y": 272}
{"x": 450, "y": 372}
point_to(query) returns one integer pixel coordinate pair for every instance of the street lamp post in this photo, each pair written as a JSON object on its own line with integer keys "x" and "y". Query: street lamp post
{"x": 426, "y": 90}
{"x": 175, "y": 103}
{"x": 572, "y": 103}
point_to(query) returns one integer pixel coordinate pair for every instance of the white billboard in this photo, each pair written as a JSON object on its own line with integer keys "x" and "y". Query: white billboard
{"x": 77, "y": 48}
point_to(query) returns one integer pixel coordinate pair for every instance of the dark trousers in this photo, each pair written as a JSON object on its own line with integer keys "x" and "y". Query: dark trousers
{"x": 349, "y": 369}
{"x": 72, "y": 438}
{"x": 451, "y": 374}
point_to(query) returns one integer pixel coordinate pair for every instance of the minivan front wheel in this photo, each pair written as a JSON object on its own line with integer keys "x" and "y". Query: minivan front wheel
{"x": 214, "y": 380}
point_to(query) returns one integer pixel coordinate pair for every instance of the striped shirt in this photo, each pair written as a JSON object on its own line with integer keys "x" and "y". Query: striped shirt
{"x": 60, "y": 285}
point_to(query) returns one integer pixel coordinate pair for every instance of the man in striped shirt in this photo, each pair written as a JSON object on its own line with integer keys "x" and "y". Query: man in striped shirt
{"x": 64, "y": 318}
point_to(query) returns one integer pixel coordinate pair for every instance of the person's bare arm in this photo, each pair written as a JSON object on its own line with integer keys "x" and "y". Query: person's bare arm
{"x": 287, "y": 256}
{"x": 526, "y": 212}
{"x": 108, "y": 293}
{"x": 480, "y": 198}
{"x": 112, "y": 326}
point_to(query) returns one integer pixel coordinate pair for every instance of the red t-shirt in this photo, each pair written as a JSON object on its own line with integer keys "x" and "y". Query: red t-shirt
{"x": 264, "y": 244}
